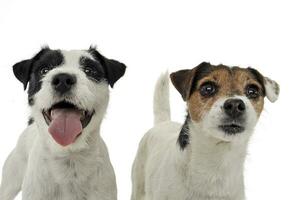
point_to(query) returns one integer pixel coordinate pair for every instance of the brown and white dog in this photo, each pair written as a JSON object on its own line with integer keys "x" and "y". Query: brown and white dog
{"x": 203, "y": 158}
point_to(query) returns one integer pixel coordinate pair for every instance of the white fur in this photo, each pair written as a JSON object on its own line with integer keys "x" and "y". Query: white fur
{"x": 45, "y": 170}
{"x": 161, "y": 100}
{"x": 210, "y": 168}
{"x": 271, "y": 89}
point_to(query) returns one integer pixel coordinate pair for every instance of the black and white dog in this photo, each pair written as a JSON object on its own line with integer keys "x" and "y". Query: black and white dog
{"x": 60, "y": 155}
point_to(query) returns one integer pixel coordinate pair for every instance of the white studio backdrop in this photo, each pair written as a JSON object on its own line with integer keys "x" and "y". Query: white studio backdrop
{"x": 151, "y": 37}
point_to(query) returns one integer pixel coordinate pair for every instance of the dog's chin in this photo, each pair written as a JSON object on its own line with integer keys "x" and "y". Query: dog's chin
{"x": 82, "y": 117}
{"x": 228, "y": 132}
{"x": 232, "y": 128}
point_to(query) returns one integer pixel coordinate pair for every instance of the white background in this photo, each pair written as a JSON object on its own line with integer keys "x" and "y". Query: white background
{"x": 150, "y": 37}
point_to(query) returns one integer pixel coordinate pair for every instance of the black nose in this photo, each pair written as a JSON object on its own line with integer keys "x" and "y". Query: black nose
{"x": 63, "y": 82}
{"x": 234, "y": 107}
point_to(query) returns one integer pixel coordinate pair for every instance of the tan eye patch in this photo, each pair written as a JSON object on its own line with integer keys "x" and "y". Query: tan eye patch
{"x": 198, "y": 105}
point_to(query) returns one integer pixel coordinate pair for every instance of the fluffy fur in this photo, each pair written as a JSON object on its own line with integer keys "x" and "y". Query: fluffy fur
{"x": 38, "y": 165}
{"x": 206, "y": 163}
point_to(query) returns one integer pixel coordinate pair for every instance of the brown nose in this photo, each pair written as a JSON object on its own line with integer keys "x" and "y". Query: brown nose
{"x": 234, "y": 107}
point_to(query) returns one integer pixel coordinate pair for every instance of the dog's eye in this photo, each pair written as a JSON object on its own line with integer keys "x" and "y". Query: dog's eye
{"x": 89, "y": 71}
{"x": 208, "y": 89}
{"x": 252, "y": 91}
{"x": 44, "y": 70}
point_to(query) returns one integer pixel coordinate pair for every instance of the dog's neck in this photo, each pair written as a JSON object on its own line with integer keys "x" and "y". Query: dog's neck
{"x": 212, "y": 166}
{"x": 209, "y": 152}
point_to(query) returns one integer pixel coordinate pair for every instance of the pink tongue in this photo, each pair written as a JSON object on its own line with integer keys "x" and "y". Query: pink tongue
{"x": 65, "y": 125}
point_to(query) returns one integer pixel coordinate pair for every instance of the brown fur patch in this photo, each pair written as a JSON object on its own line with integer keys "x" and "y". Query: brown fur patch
{"x": 230, "y": 82}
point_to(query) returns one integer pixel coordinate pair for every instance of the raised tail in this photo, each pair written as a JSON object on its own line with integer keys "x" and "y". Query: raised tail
{"x": 161, "y": 99}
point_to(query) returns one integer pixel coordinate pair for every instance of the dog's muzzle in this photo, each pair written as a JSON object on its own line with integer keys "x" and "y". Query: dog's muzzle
{"x": 235, "y": 110}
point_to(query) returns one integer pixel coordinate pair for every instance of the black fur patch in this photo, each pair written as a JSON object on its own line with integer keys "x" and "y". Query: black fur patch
{"x": 29, "y": 71}
{"x": 202, "y": 71}
{"x": 93, "y": 69}
{"x": 30, "y": 101}
{"x": 50, "y": 59}
{"x": 113, "y": 69}
{"x": 256, "y": 74}
{"x": 23, "y": 69}
{"x": 183, "y": 139}
{"x": 30, "y": 121}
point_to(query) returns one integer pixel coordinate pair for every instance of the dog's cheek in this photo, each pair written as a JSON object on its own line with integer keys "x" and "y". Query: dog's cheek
{"x": 195, "y": 106}
{"x": 199, "y": 106}
{"x": 35, "y": 85}
{"x": 216, "y": 113}
{"x": 92, "y": 95}
{"x": 102, "y": 95}
{"x": 44, "y": 96}
{"x": 252, "y": 112}
{"x": 258, "y": 105}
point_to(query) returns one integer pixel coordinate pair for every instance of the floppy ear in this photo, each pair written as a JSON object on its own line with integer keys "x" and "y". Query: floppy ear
{"x": 183, "y": 80}
{"x": 271, "y": 87}
{"x": 114, "y": 69}
{"x": 22, "y": 70}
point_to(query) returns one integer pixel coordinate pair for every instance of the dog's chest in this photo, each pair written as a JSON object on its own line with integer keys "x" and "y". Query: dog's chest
{"x": 75, "y": 175}
{"x": 218, "y": 183}
{"x": 72, "y": 177}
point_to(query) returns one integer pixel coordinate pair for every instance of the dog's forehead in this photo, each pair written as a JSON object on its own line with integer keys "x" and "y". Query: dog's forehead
{"x": 227, "y": 76}
{"x": 50, "y": 58}
{"x": 72, "y": 57}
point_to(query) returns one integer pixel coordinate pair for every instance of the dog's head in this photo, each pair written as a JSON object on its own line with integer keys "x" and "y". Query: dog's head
{"x": 68, "y": 91}
{"x": 224, "y": 102}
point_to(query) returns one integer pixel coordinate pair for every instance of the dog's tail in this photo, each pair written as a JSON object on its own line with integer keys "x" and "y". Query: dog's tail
{"x": 161, "y": 99}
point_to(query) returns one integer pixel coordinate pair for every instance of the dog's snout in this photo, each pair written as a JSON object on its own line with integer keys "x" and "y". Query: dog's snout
{"x": 234, "y": 107}
{"x": 63, "y": 82}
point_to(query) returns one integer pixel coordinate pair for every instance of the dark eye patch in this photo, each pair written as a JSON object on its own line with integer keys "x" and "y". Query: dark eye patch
{"x": 49, "y": 60}
{"x": 258, "y": 77}
{"x": 92, "y": 69}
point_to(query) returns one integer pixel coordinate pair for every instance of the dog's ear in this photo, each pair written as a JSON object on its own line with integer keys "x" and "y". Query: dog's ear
{"x": 183, "y": 80}
{"x": 114, "y": 70}
{"x": 271, "y": 88}
{"x": 22, "y": 70}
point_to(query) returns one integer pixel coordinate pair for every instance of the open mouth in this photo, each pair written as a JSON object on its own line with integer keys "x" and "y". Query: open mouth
{"x": 66, "y": 121}
{"x": 85, "y": 116}
{"x": 232, "y": 129}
